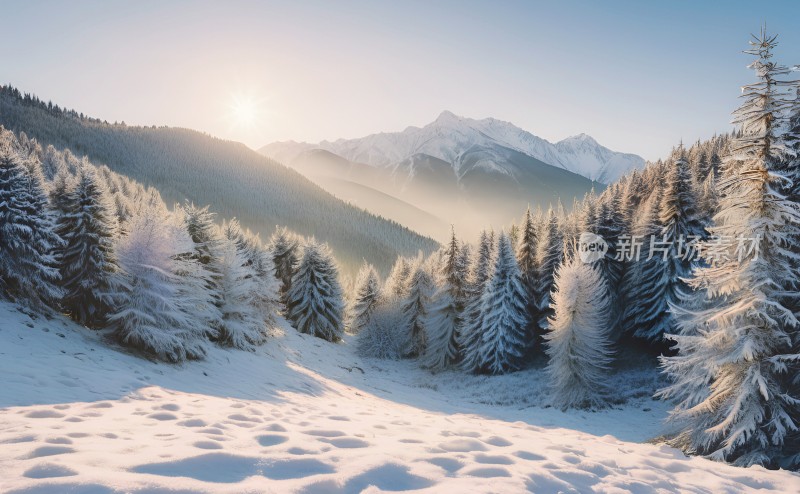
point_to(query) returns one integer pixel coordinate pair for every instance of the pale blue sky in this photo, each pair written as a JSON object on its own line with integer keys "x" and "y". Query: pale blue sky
{"x": 637, "y": 75}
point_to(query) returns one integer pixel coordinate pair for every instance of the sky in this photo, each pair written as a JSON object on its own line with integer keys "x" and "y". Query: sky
{"x": 638, "y": 76}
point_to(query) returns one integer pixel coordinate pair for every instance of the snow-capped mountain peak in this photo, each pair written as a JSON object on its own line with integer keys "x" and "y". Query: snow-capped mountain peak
{"x": 450, "y": 135}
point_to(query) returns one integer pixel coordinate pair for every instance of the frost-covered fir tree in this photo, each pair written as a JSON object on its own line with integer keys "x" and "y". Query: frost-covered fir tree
{"x": 285, "y": 247}
{"x": 446, "y": 309}
{"x": 242, "y": 324}
{"x": 88, "y": 259}
{"x": 314, "y": 301}
{"x": 383, "y": 336}
{"x": 28, "y": 267}
{"x": 208, "y": 241}
{"x": 415, "y": 310}
{"x": 549, "y": 253}
{"x": 258, "y": 259}
{"x": 157, "y": 311}
{"x": 366, "y": 300}
{"x": 504, "y": 313}
{"x": 730, "y": 381}
{"x": 396, "y": 286}
{"x": 578, "y": 340}
{"x": 471, "y": 329}
{"x": 526, "y": 256}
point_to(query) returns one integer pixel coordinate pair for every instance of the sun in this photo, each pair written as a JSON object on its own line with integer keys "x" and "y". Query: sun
{"x": 245, "y": 111}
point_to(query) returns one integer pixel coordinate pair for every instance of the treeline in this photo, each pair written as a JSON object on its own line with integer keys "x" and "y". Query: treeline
{"x": 105, "y": 250}
{"x": 236, "y": 181}
{"x": 702, "y": 266}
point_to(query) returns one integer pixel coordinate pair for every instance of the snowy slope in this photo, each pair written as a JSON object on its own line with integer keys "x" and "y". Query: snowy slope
{"x": 449, "y": 136}
{"x": 303, "y": 415}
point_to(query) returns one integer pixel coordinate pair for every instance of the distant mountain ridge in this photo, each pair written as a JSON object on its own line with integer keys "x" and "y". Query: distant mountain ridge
{"x": 449, "y": 136}
{"x": 235, "y": 180}
{"x": 466, "y": 172}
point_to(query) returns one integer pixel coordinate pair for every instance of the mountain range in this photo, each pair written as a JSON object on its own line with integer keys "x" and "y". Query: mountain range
{"x": 234, "y": 180}
{"x": 462, "y": 171}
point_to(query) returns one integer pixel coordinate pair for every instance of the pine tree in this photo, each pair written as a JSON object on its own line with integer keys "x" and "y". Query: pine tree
{"x": 730, "y": 376}
{"x": 367, "y": 298}
{"x": 314, "y": 301}
{"x": 265, "y": 287}
{"x": 88, "y": 259}
{"x": 549, "y": 253}
{"x": 415, "y": 309}
{"x": 242, "y": 323}
{"x": 208, "y": 245}
{"x": 471, "y": 330}
{"x": 28, "y": 267}
{"x": 526, "y": 256}
{"x": 396, "y": 286}
{"x": 446, "y": 310}
{"x": 284, "y": 245}
{"x": 504, "y": 314}
{"x": 156, "y": 311}
{"x": 578, "y": 341}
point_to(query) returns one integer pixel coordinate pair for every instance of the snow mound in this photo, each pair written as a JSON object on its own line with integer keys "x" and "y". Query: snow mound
{"x": 303, "y": 415}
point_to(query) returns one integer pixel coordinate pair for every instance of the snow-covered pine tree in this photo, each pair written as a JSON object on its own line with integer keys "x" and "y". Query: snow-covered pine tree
{"x": 314, "y": 301}
{"x": 646, "y": 280}
{"x": 526, "y": 258}
{"x": 610, "y": 226}
{"x": 578, "y": 340}
{"x": 285, "y": 246}
{"x": 396, "y": 285}
{"x": 156, "y": 312}
{"x": 730, "y": 378}
{"x": 383, "y": 336}
{"x": 28, "y": 267}
{"x": 504, "y": 314}
{"x": 549, "y": 253}
{"x": 446, "y": 310}
{"x": 242, "y": 324}
{"x": 88, "y": 258}
{"x": 471, "y": 329}
{"x": 366, "y": 300}
{"x": 258, "y": 259}
{"x": 208, "y": 241}
{"x": 415, "y": 308}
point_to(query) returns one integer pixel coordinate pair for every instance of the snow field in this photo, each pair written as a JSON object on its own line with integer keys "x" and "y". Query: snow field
{"x": 303, "y": 415}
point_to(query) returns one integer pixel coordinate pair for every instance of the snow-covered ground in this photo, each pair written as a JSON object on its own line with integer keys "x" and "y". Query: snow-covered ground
{"x": 80, "y": 415}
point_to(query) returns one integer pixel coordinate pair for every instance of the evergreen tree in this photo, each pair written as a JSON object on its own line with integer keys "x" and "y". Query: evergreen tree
{"x": 242, "y": 323}
{"x": 265, "y": 287}
{"x": 446, "y": 310}
{"x": 526, "y": 256}
{"x": 730, "y": 376}
{"x": 367, "y": 298}
{"x": 208, "y": 245}
{"x": 88, "y": 259}
{"x": 504, "y": 314}
{"x": 397, "y": 282}
{"x": 156, "y": 312}
{"x": 548, "y": 255}
{"x": 284, "y": 245}
{"x": 415, "y": 309}
{"x": 578, "y": 342}
{"x": 314, "y": 301}
{"x": 28, "y": 267}
{"x": 471, "y": 330}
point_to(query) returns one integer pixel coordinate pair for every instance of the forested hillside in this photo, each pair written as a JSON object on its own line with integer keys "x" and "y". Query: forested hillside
{"x": 236, "y": 181}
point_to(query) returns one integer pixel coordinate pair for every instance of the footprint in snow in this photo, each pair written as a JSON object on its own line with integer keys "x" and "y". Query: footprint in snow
{"x": 346, "y": 442}
{"x": 271, "y": 439}
{"x": 48, "y": 451}
{"x": 324, "y": 433}
{"x": 44, "y": 414}
{"x": 48, "y": 471}
{"x": 493, "y": 459}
